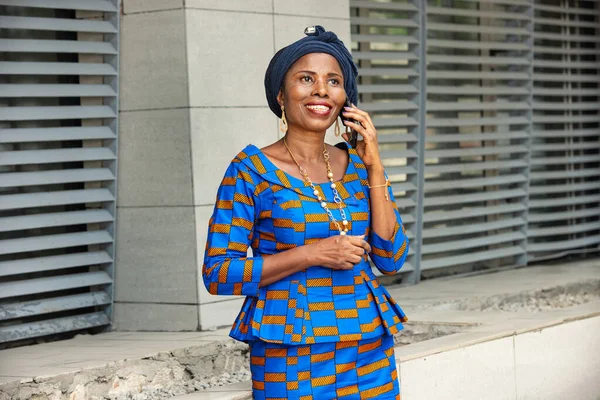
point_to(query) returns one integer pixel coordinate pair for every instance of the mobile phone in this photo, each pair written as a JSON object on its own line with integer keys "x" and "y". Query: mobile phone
{"x": 352, "y": 135}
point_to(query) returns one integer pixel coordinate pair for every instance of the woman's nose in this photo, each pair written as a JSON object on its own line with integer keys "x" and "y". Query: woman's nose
{"x": 320, "y": 88}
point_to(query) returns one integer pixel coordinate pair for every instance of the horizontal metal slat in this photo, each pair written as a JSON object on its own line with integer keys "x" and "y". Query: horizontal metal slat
{"x": 564, "y": 22}
{"x": 395, "y": 72}
{"x": 581, "y": 173}
{"x": 476, "y": 151}
{"x": 384, "y": 122}
{"x": 573, "y": 187}
{"x": 466, "y": 212}
{"x": 546, "y": 77}
{"x": 52, "y": 305}
{"x": 565, "y": 64}
{"x": 23, "y": 135}
{"x": 478, "y": 45}
{"x": 433, "y": 106}
{"x": 387, "y": 89}
{"x": 433, "y": 122}
{"x": 467, "y": 229}
{"x": 473, "y": 197}
{"x": 405, "y": 203}
{"x": 483, "y": 136}
{"x": 470, "y": 243}
{"x": 545, "y": 217}
{"x": 384, "y": 55}
{"x": 55, "y": 113}
{"x": 20, "y": 179}
{"x": 402, "y": 187}
{"x": 55, "y": 68}
{"x": 396, "y": 138}
{"x": 52, "y": 284}
{"x": 476, "y": 182}
{"x": 564, "y": 10}
{"x": 52, "y": 263}
{"x": 561, "y": 50}
{"x": 56, "y": 24}
{"x": 565, "y": 160}
{"x": 463, "y": 12}
{"x": 385, "y": 39}
{"x": 477, "y": 90}
{"x": 477, "y": 166}
{"x": 389, "y": 106}
{"x": 563, "y": 201}
{"x": 553, "y": 246}
{"x": 404, "y": 170}
{"x": 47, "y": 199}
{"x": 370, "y": 5}
{"x": 564, "y": 229}
{"x": 51, "y": 90}
{"x": 88, "y": 5}
{"x": 452, "y": 59}
{"x": 566, "y": 37}
{"x": 472, "y": 75}
{"x": 23, "y": 157}
{"x": 56, "y": 46}
{"x": 405, "y": 23}
{"x": 567, "y": 119}
{"x": 46, "y": 220}
{"x": 565, "y": 92}
{"x": 470, "y": 257}
{"x": 562, "y": 133}
{"x": 52, "y": 326}
{"x": 497, "y": 30}
{"x": 398, "y": 154}
{"x": 61, "y": 241}
{"x": 538, "y": 105}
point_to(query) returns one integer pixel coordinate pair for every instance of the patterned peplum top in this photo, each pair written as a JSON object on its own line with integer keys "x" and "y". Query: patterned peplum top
{"x": 260, "y": 206}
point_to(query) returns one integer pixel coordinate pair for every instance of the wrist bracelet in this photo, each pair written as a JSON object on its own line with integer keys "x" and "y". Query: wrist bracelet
{"x": 386, "y": 184}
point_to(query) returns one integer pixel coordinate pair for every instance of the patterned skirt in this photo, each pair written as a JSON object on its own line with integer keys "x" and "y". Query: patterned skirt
{"x": 354, "y": 370}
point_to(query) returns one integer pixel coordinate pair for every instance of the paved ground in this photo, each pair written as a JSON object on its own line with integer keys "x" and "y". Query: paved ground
{"x": 431, "y": 301}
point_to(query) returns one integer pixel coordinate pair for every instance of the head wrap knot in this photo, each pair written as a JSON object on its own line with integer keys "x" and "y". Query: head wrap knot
{"x": 318, "y": 40}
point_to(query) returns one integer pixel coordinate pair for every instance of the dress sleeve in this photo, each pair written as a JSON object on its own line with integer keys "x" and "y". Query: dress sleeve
{"x": 227, "y": 270}
{"x": 389, "y": 255}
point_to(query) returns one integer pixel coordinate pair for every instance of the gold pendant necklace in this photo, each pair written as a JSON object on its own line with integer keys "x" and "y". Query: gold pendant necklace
{"x": 336, "y": 196}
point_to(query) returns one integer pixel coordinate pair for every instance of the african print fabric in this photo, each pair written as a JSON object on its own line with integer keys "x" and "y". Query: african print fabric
{"x": 351, "y": 370}
{"x": 260, "y": 206}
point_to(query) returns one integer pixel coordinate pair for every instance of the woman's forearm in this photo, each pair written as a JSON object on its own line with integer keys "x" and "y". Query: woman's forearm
{"x": 285, "y": 263}
{"x": 383, "y": 216}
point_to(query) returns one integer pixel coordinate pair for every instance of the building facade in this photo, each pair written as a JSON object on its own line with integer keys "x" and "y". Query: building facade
{"x": 119, "y": 118}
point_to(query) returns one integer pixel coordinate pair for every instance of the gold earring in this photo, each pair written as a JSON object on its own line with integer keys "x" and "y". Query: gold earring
{"x": 283, "y": 125}
{"x": 337, "y": 131}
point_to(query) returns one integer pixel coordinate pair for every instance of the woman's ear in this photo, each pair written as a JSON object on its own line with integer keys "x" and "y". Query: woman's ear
{"x": 280, "y": 97}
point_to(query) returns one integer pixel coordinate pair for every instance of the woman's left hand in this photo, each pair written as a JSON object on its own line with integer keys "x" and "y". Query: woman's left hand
{"x": 367, "y": 149}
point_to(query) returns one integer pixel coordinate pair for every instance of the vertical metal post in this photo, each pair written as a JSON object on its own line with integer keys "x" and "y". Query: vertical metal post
{"x": 420, "y": 131}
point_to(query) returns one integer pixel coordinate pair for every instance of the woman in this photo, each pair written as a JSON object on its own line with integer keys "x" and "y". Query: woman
{"x": 318, "y": 323}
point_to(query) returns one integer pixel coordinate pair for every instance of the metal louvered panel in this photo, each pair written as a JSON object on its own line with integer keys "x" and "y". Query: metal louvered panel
{"x": 477, "y": 134}
{"x": 387, "y": 45}
{"x": 565, "y": 179}
{"x": 58, "y": 156}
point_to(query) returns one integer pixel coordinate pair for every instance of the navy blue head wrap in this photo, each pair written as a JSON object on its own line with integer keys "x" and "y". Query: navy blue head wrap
{"x": 317, "y": 41}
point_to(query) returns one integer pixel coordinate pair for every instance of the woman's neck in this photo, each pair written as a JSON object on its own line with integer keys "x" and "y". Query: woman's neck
{"x": 306, "y": 146}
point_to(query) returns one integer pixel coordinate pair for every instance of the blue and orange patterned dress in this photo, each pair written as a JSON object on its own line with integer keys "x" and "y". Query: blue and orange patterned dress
{"x": 318, "y": 333}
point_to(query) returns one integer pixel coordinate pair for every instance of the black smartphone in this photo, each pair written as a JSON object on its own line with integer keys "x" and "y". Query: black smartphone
{"x": 352, "y": 135}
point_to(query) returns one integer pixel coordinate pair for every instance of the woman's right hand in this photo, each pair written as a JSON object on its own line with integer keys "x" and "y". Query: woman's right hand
{"x": 340, "y": 252}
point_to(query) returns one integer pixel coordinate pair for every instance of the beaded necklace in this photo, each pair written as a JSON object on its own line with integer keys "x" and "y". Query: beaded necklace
{"x": 336, "y": 196}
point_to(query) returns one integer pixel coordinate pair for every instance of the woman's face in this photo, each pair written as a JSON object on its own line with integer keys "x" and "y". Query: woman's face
{"x": 313, "y": 92}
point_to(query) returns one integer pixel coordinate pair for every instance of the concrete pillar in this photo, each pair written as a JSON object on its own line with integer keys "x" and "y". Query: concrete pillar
{"x": 192, "y": 97}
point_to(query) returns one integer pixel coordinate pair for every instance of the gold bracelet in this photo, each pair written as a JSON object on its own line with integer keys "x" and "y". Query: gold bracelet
{"x": 386, "y": 184}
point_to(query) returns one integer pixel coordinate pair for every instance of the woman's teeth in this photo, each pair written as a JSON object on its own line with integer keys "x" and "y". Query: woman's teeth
{"x": 318, "y": 108}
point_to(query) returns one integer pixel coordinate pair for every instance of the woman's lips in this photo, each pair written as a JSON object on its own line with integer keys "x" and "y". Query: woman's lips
{"x": 319, "y": 109}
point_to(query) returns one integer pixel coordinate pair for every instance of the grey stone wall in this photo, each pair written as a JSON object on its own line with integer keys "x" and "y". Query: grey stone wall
{"x": 191, "y": 98}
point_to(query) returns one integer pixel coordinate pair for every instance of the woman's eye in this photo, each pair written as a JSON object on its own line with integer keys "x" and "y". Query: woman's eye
{"x": 306, "y": 78}
{"x": 334, "y": 81}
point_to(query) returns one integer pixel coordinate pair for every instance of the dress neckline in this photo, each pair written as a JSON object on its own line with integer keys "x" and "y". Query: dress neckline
{"x": 297, "y": 182}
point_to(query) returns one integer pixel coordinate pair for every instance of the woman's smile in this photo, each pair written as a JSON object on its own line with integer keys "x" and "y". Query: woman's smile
{"x": 319, "y": 108}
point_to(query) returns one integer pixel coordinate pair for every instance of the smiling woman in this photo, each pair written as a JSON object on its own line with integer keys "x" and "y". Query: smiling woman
{"x": 318, "y": 322}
